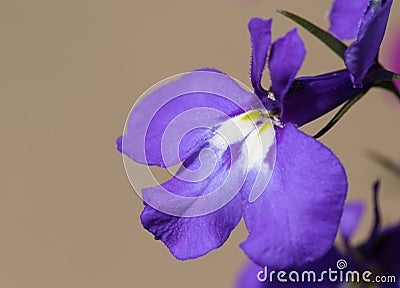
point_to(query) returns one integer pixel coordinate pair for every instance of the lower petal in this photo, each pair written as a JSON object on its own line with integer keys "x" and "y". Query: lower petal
{"x": 192, "y": 237}
{"x": 178, "y": 214}
{"x": 295, "y": 220}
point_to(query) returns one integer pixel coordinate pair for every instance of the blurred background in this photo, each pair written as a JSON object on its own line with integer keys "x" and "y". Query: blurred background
{"x": 70, "y": 72}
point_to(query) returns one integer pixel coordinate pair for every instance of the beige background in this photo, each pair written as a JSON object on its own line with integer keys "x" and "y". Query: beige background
{"x": 70, "y": 72}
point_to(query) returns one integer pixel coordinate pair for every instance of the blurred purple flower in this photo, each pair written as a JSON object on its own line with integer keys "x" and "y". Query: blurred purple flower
{"x": 380, "y": 254}
{"x": 394, "y": 63}
{"x": 295, "y": 218}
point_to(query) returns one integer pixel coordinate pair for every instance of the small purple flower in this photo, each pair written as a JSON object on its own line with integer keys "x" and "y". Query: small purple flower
{"x": 293, "y": 218}
{"x": 380, "y": 254}
{"x": 366, "y": 21}
{"x": 314, "y": 96}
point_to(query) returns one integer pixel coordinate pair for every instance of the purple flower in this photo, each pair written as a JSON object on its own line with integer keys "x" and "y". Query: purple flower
{"x": 366, "y": 21}
{"x": 289, "y": 188}
{"x": 380, "y": 254}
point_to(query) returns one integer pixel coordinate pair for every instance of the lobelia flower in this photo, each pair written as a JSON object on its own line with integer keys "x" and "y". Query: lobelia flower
{"x": 293, "y": 218}
{"x": 379, "y": 254}
{"x": 364, "y": 20}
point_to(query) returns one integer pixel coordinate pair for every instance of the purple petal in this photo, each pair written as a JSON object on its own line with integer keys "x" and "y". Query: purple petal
{"x": 190, "y": 237}
{"x": 287, "y": 55}
{"x": 351, "y": 218}
{"x": 361, "y": 54}
{"x": 296, "y": 218}
{"x": 260, "y": 36}
{"x": 345, "y": 18}
{"x": 312, "y": 97}
{"x": 176, "y": 119}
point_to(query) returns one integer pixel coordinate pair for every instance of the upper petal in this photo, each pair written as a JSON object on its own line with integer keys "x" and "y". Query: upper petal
{"x": 287, "y": 55}
{"x": 174, "y": 120}
{"x": 361, "y": 54}
{"x": 345, "y": 17}
{"x": 260, "y": 36}
{"x": 296, "y": 218}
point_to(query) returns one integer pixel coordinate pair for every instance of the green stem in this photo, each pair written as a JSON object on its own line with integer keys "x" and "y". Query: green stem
{"x": 328, "y": 39}
{"x": 339, "y": 115}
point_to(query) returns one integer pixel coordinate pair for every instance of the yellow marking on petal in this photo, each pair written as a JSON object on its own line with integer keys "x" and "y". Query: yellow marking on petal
{"x": 264, "y": 127}
{"x": 252, "y": 115}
